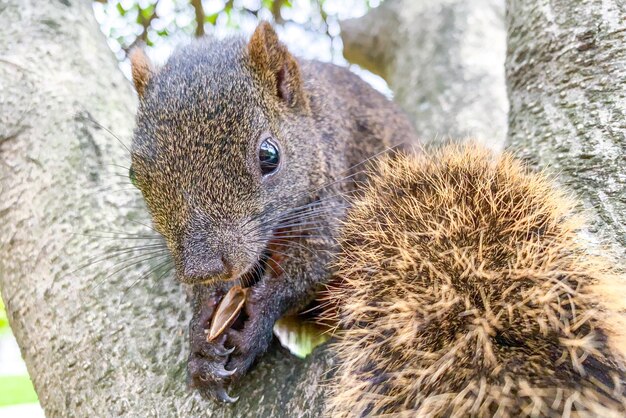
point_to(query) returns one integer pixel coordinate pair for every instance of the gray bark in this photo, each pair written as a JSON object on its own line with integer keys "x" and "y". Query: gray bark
{"x": 566, "y": 72}
{"x": 444, "y": 60}
{"x": 95, "y": 348}
{"x": 92, "y": 346}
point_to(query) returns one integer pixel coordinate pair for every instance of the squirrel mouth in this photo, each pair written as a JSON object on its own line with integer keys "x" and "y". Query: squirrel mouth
{"x": 269, "y": 263}
{"x": 257, "y": 271}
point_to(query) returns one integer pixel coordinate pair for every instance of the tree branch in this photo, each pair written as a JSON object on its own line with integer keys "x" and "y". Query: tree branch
{"x": 567, "y": 82}
{"x": 94, "y": 343}
{"x": 276, "y": 11}
{"x": 199, "y": 11}
{"x": 146, "y": 23}
{"x": 444, "y": 61}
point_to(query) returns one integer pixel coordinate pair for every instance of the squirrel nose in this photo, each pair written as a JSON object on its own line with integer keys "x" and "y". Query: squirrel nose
{"x": 204, "y": 268}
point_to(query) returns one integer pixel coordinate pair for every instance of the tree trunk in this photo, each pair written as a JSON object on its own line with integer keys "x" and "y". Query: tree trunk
{"x": 566, "y": 73}
{"x": 444, "y": 60}
{"x": 93, "y": 346}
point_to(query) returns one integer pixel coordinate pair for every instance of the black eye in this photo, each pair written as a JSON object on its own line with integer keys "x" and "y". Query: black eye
{"x": 268, "y": 156}
{"x": 133, "y": 177}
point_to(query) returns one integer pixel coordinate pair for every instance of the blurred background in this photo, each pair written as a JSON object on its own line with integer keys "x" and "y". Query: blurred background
{"x": 310, "y": 28}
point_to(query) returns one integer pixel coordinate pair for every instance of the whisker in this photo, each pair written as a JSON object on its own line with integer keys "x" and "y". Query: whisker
{"x": 119, "y": 166}
{"x": 296, "y": 220}
{"x": 111, "y": 175}
{"x": 112, "y": 189}
{"x": 142, "y": 252}
{"x": 293, "y": 245}
{"x": 142, "y": 259}
{"x": 148, "y": 273}
{"x": 147, "y": 226}
{"x": 141, "y": 238}
{"x": 256, "y": 271}
{"x": 287, "y": 237}
{"x": 301, "y": 211}
{"x": 281, "y": 253}
{"x": 332, "y": 182}
{"x": 116, "y": 233}
{"x": 87, "y": 116}
{"x": 116, "y": 253}
{"x": 275, "y": 272}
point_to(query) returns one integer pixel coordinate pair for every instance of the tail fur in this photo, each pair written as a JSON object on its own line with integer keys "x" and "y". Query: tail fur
{"x": 466, "y": 289}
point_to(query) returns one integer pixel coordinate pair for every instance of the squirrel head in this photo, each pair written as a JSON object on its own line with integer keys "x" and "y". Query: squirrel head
{"x": 224, "y": 144}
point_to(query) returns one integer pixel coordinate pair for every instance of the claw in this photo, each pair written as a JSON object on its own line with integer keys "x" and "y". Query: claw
{"x": 221, "y": 394}
{"x": 222, "y": 373}
{"x": 224, "y": 352}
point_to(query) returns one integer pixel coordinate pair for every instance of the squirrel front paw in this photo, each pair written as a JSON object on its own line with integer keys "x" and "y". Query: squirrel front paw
{"x": 212, "y": 366}
{"x": 249, "y": 342}
{"x": 207, "y": 359}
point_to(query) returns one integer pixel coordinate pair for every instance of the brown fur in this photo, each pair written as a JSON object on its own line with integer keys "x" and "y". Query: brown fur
{"x": 278, "y": 66}
{"x": 466, "y": 290}
{"x": 141, "y": 69}
{"x": 195, "y": 157}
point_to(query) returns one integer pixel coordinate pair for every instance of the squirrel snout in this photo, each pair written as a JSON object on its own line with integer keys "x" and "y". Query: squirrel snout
{"x": 200, "y": 269}
{"x": 210, "y": 253}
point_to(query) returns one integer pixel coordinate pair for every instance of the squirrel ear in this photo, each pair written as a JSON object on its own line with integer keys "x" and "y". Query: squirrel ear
{"x": 272, "y": 60}
{"x": 141, "y": 69}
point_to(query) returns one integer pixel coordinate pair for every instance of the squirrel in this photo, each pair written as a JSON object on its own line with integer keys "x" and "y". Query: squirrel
{"x": 464, "y": 289}
{"x": 460, "y": 286}
{"x": 244, "y": 154}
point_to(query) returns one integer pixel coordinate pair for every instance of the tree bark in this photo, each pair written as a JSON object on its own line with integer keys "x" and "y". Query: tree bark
{"x": 444, "y": 60}
{"x": 566, "y": 73}
{"x": 93, "y": 346}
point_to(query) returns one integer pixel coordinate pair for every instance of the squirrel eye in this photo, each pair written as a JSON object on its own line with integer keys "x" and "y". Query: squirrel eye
{"x": 133, "y": 177}
{"x": 269, "y": 157}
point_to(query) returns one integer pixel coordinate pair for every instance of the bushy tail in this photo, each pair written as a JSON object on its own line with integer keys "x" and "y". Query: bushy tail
{"x": 465, "y": 290}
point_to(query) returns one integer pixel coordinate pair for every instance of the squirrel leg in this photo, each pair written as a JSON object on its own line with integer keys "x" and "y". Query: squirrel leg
{"x": 274, "y": 296}
{"x": 206, "y": 365}
{"x": 286, "y": 286}
{"x": 263, "y": 310}
{"x": 212, "y": 366}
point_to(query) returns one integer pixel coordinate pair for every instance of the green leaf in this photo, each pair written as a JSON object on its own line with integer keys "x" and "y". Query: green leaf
{"x": 120, "y": 9}
{"x": 4, "y": 320}
{"x": 212, "y": 19}
{"x": 147, "y": 12}
{"x": 300, "y": 337}
{"x": 16, "y": 390}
